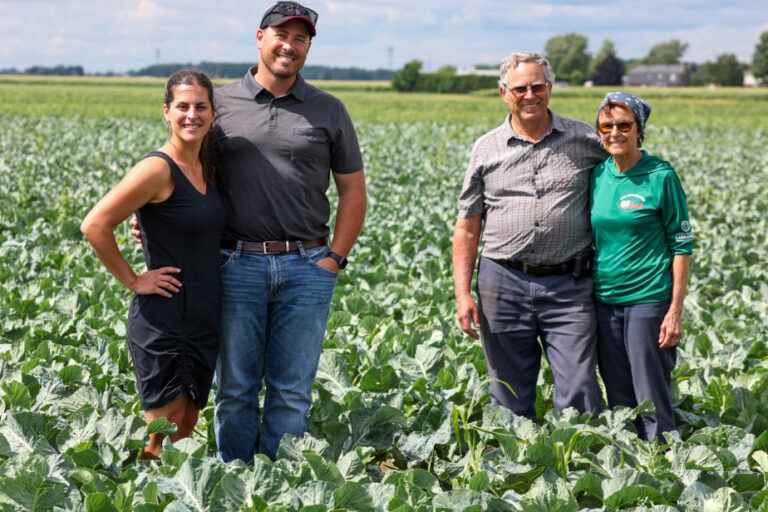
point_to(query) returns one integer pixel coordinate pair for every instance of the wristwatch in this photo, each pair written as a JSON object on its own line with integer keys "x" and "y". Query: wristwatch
{"x": 340, "y": 260}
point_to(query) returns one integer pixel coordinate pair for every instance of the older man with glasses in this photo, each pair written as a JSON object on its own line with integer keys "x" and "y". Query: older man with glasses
{"x": 281, "y": 139}
{"x": 526, "y": 191}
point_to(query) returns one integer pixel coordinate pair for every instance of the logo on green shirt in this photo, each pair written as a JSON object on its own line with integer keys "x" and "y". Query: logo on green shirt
{"x": 685, "y": 233}
{"x": 631, "y": 202}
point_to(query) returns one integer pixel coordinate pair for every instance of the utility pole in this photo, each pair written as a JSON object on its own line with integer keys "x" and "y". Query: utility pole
{"x": 390, "y": 53}
{"x": 157, "y": 55}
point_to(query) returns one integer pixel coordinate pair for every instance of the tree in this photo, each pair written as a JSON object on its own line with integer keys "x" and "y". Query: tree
{"x": 569, "y": 58}
{"x": 607, "y": 68}
{"x": 729, "y": 70}
{"x": 446, "y": 71}
{"x": 605, "y": 50}
{"x": 56, "y": 70}
{"x": 760, "y": 59}
{"x": 407, "y": 77}
{"x": 668, "y": 52}
{"x": 726, "y": 70}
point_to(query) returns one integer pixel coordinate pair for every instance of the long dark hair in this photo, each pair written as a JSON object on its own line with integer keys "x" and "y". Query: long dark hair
{"x": 209, "y": 150}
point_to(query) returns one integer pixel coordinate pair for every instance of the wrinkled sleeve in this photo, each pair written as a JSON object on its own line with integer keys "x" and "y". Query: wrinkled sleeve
{"x": 674, "y": 215}
{"x": 472, "y": 198}
{"x": 345, "y": 151}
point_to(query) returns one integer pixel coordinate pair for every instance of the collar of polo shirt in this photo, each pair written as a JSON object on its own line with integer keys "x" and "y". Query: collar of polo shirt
{"x": 298, "y": 90}
{"x": 557, "y": 125}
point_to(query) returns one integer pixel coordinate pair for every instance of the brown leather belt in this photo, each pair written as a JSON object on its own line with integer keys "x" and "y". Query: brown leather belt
{"x": 270, "y": 246}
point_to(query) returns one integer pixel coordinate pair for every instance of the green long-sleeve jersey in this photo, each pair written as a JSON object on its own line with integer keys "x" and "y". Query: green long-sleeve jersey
{"x": 639, "y": 221}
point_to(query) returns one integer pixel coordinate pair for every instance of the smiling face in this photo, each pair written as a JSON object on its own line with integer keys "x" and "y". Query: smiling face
{"x": 618, "y": 132}
{"x": 527, "y": 92}
{"x": 190, "y": 113}
{"x": 284, "y": 48}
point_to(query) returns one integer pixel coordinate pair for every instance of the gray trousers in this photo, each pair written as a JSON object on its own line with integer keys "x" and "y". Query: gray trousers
{"x": 632, "y": 365}
{"x": 518, "y": 310}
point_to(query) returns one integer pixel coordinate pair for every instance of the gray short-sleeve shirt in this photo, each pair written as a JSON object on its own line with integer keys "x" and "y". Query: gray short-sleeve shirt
{"x": 276, "y": 158}
{"x": 533, "y": 197}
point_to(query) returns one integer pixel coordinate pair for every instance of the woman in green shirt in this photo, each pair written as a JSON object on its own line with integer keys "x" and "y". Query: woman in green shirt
{"x": 643, "y": 242}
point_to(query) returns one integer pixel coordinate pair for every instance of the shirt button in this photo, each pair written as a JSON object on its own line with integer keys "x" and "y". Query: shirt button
{"x": 536, "y": 223}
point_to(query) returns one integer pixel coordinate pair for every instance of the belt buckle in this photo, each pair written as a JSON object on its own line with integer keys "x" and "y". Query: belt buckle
{"x": 264, "y": 247}
{"x": 525, "y": 267}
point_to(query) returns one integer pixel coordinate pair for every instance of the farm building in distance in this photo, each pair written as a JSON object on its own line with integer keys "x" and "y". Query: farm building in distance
{"x": 658, "y": 75}
{"x": 750, "y": 80}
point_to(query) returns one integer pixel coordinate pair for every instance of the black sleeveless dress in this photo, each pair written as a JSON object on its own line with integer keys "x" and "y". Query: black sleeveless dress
{"x": 174, "y": 342}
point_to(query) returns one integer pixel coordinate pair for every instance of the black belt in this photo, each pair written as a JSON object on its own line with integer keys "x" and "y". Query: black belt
{"x": 539, "y": 270}
{"x": 271, "y": 246}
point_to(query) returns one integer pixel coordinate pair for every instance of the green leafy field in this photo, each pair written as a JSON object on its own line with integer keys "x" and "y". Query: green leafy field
{"x": 374, "y": 102}
{"x": 402, "y": 420}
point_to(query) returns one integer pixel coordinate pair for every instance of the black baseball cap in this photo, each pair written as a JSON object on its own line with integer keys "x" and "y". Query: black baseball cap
{"x": 282, "y": 12}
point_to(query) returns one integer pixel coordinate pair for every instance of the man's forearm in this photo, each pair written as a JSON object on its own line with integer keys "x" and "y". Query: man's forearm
{"x": 350, "y": 216}
{"x": 465, "y": 241}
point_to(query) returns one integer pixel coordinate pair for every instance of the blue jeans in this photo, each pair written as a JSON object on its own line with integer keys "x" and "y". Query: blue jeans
{"x": 274, "y": 314}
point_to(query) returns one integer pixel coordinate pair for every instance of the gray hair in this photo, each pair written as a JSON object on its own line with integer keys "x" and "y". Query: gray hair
{"x": 517, "y": 58}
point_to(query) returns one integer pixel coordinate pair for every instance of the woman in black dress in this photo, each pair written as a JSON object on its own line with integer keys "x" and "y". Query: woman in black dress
{"x": 173, "y": 321}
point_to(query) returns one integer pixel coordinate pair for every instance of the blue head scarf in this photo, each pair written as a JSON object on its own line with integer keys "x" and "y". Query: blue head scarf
{"x": 638, "y": 106}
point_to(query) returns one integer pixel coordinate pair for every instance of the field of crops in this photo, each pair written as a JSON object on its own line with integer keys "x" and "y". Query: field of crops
{"x": 401, "y": 420}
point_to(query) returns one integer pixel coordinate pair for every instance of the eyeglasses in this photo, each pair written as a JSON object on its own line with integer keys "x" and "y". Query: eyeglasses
{"x": 607, "y": 128}
{"x": 293, "y": 9}
{"x": 536, "y": 89}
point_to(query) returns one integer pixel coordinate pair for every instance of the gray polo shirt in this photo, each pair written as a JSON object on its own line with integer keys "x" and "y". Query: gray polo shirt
{"x": 534, "y": 198}
{"x": 277, "y": 154}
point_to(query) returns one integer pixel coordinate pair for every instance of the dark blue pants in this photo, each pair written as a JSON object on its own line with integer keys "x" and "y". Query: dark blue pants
{"x": 632, "y": 365}
{"x": 518, "y": 310}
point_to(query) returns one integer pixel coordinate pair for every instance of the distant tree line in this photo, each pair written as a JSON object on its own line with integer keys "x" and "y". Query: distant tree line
{"x": 333, "y": 73}
{"x": 444, "y": 80}
{"x": 213, "y": 69}
{"x": 726, "y": 70}
{"x": 572, "y": 63}
{"x": 567, "y": 53}
{"x": 46, "y": 70}
{"x": 238, "y": 69}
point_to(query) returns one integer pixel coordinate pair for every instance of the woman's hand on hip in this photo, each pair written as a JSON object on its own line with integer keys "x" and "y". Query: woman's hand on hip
{"x": 158, "y": 281}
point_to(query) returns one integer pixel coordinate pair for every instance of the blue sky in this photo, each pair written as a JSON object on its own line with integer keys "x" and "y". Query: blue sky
{"x": 127, "y": 34}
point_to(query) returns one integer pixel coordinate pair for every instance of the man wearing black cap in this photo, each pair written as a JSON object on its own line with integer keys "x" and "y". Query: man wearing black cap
{"x": 280, "y": 139}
